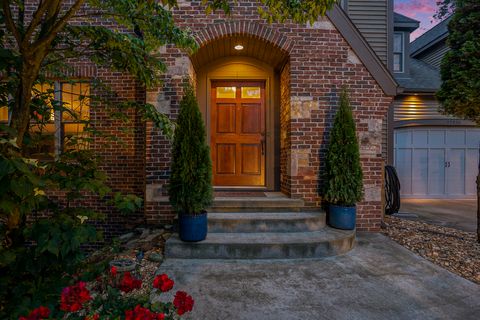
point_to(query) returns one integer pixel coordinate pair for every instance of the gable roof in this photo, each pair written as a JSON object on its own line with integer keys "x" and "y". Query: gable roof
{"x": 401, "y": 22}
{"x": 363, "y": 50}
{"x": 430, "y": 38}
{"x": 422, "y": 77}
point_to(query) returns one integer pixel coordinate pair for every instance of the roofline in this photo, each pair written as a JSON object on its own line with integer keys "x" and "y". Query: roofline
{"x": 436, "y": 40}
{"x": 418, "y": 90}
{"x": 410, "y": 26}
{"x": 428, "y": 45}
{"x": 363, "y": 50}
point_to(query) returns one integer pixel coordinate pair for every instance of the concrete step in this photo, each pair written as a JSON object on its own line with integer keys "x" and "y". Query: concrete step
{"x": 252, "y": 222}
{"x": 266, "y": 245}
{"x": 256, "y": 204}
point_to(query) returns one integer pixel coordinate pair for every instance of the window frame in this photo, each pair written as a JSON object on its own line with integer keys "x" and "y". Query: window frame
{"x": 58, "y": 122}
{"x": 401, "y": 52}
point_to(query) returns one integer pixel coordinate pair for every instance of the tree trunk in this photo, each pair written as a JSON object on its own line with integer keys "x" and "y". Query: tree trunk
{"x": 23, "y": 95}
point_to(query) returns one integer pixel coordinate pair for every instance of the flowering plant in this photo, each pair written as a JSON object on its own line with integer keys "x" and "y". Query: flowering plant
{"x": 116, "y": 296}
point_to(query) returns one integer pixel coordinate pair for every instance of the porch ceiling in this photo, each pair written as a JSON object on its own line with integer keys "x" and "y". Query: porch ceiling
{"x": 252, "y": 47}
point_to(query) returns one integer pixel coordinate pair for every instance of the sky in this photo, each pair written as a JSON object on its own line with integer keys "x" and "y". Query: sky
{"x": 421, "y": 10}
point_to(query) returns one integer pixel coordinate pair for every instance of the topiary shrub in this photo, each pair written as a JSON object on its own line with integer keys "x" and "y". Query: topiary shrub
{"x": 190, "y": 188}
{"x": 343, "y": 173}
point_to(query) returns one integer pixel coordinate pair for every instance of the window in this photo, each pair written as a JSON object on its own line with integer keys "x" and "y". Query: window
{"x": 398, "y": 52}
{"x": 75, "y": 98}
{"x": 3, "y": 114}
{"x": 53, "y": 131}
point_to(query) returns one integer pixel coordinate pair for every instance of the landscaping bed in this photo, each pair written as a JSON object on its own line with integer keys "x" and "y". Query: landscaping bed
{"x": 455, "y": 250}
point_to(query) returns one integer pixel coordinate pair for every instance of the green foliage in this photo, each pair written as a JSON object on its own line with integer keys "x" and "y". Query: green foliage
{"x": 343, "y": 172}
{"x": 460, "y": 69}
{"x": 40, "y": 257}
{"x": 296, "y": 10}
{"x": 190, "y": 186}
{"x": 127, "y": 203}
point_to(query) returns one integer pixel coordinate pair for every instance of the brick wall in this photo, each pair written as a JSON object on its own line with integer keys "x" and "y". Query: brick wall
{"x": 320, "y": 62}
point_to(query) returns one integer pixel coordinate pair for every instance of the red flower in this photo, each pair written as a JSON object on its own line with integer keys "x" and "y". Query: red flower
{"x": 163, "y": 283}
{"x": 141, "y": 313}
{"x": 183, "y": 302}
{"x": 113, "y": 271}
{"x": 37, "y": 314}
{"x": 94, "y": 317}
{"x": 74, "y": 297}
{"x": 129, "y": 283}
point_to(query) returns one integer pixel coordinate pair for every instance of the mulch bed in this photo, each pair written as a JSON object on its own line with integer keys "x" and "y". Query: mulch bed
{"x": 455, "y": 250}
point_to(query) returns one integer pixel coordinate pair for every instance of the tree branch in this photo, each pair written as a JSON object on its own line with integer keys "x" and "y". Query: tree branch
{"x": 52, "y": 33}
{"x": 36, "y": 19}
{"x": 10, "y": 23}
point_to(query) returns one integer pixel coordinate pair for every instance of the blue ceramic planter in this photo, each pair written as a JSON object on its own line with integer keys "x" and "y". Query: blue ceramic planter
{"x": 193, "y": 228}
{"x": 342, "y": 217}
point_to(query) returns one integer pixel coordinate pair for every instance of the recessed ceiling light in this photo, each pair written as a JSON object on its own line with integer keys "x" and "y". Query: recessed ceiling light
{"x": 238, "y": 47}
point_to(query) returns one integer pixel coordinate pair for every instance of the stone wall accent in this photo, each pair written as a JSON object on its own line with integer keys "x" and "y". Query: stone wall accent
{"x": 285, "y": 130}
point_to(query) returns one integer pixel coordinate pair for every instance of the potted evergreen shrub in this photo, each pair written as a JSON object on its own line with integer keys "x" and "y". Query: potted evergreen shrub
{"x": 343, "y": 173}
{"x": 190, "y": 187}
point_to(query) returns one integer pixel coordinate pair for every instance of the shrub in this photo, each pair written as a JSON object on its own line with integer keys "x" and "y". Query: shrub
{"x": 190, "y": 186}
{"x": 343, "y": 172}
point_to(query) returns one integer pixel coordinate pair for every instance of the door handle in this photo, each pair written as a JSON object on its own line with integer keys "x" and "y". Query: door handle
{"x": 263, "y": 147}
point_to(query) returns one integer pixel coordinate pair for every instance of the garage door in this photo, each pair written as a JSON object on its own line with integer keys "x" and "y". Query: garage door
{"x": 437, "y": 162}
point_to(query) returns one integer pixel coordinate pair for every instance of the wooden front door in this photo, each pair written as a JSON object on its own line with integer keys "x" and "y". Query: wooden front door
{"x": 238, "y": 133}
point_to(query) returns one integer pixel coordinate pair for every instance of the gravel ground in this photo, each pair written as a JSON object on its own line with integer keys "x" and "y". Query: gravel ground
{"x": 454, "y": 250}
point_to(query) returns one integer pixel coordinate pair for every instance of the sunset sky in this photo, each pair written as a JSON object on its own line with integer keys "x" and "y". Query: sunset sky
{"x": 421, "y": 10}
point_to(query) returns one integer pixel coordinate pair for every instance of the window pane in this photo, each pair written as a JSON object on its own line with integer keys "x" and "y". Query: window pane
{"x": 398, "y": 43}
{"x": 250, "y": 92}
{"x": 226, "y": 92}
{"x": 74, "y": 137}
{"x": 44, "y": 92}
{"x": 75, "y": 98}
{"x": 397, "y": 62}
{"x": 3, "y": 114}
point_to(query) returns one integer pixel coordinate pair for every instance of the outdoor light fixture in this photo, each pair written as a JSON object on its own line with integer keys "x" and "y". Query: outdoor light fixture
{"x": 238, "y": 47}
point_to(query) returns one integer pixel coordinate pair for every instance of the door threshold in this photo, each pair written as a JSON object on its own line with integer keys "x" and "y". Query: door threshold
{"x": 239, "y": 188}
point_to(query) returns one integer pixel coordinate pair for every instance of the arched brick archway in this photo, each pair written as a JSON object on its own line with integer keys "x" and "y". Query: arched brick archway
{"x": 244, "y": 28}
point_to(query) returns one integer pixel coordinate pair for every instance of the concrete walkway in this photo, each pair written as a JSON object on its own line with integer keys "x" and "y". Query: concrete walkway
{"x": 376, "y": 280}
{"x": 458, "y": 214}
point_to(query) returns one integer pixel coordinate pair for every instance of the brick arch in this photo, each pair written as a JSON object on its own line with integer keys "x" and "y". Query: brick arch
{"x": 244, "y": 28}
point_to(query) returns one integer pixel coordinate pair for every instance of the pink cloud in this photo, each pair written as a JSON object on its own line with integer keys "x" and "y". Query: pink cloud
{"x": 421, "y": 10}
{"x": 417, "y": 6}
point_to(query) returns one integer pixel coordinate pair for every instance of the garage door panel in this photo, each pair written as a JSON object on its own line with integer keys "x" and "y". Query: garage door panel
{"x": 437, "y": 162}
{"x": 455, "y": 138}
{"x": 436, "y": 172}
{"x": 403, "y": 139}
{"x": 420, "y": 171}
{"x": 403, "y": 164}
{"x": 420, "y": 138}
{"x": 456, "y": 172}
{"x": 473, "y": 139}
{"x": 471, "y": 169}
{"x": 436, "y": 138}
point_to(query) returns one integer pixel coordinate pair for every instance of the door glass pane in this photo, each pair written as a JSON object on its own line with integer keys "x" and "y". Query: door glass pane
{"x": 250, "y": 92}
{"x": 226, "y": 92}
